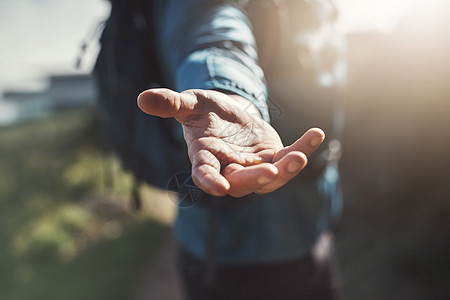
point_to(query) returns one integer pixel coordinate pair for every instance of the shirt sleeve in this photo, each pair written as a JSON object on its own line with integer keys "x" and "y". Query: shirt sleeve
{"x": 209, "y": 45}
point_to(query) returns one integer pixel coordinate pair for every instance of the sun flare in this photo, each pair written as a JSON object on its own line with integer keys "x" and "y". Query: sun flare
{"x": 384, "y": 15}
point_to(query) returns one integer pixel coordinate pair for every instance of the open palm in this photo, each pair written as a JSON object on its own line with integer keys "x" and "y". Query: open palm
{"x": 232, "y": 150}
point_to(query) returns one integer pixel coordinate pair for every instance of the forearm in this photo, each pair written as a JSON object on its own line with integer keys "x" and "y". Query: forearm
{"x": 213, "y": 48}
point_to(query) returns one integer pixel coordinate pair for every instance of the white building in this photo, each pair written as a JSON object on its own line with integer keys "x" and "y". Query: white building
{"x": 64, "y": 92}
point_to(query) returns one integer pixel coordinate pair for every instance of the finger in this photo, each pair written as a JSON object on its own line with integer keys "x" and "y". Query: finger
{"x": 288, "y": 167}
{"x": 231, "y": 168}
{"x": 228, "y": 154}
{"x": 166, "y": 103}
{"x": 246, "y": 180}
{"x": 307, "y": 144}
{"x": 266, "y": 155}
{"x": 246, "y": 159}
{"x": 206, "y": 174}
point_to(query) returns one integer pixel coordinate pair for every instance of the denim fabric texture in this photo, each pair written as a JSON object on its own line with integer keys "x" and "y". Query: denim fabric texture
{"x": 212, "y": 45}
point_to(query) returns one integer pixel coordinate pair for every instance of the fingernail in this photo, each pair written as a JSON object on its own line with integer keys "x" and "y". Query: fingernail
{"x": 293, "y": 167}
{"x": 263, "y": 180}
{"x": 315, "y": 141}
{"x": 257, "y": 160}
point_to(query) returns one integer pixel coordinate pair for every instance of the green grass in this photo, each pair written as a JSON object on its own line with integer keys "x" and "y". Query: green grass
{"x": 64, "y": 232}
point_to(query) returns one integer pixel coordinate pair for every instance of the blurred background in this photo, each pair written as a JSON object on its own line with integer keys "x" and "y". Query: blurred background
{"x": 66, "y": 227}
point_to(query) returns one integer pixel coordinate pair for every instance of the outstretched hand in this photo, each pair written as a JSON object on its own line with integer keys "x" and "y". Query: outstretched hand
{"x": 232, "y": 150}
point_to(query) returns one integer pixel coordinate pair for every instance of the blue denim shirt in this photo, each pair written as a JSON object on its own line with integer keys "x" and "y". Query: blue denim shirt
{"x": 211, "y": 45}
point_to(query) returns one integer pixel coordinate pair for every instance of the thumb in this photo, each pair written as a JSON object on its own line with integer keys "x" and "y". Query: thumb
{"x": 307, "y": 144}
{"x": 166, "y": 103}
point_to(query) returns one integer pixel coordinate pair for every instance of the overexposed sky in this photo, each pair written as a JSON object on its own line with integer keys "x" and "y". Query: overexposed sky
{"x": 39, "y": 37}
{"x": 381, "y": 15}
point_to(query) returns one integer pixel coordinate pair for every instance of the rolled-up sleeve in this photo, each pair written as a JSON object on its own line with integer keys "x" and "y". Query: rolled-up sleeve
{"x": 209, "y": 45}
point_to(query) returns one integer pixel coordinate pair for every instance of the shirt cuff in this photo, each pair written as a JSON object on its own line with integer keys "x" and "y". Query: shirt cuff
{"x": 215, "y": 69}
